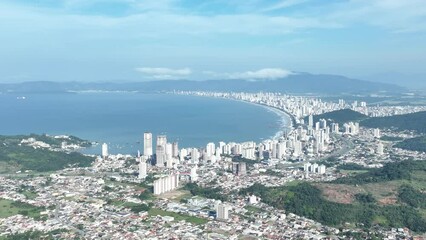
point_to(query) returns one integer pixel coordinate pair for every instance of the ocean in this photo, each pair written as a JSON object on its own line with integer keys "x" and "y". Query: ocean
{"x": 120, "y": 119}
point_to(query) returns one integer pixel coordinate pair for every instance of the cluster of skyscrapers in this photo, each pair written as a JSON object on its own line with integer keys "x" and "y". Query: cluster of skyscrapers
{"x": 166, "y": 154}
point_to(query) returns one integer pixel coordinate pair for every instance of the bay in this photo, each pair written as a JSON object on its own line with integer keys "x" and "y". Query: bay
{"x": 120, "y": 119}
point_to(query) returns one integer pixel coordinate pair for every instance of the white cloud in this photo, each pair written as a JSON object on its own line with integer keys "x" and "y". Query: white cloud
{"x": 164, "y": 73}
{"x": 265, "y": 73}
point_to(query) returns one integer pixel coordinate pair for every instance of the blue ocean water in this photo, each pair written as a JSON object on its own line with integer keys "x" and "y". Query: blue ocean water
{"x": 120, "y": 119}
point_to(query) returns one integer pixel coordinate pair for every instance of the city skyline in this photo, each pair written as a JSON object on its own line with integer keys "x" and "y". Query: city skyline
{"x": 125, "y": 40}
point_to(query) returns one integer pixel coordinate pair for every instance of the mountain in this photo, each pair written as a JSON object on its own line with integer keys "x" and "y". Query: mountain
{"x": 297, "y": 83}
{"x": 412, "y": 81}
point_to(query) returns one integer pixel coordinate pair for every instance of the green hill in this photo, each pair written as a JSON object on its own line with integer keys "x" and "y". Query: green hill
{"x": 390, "y": 197}
{"x": 15, "y": 156}
{"x": 339, "y": 116}
{"x": 412, "y": 121}
{"x": 413, "y": 144}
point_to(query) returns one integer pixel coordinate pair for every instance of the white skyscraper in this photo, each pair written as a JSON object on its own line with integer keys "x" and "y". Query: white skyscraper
{"x": 311, "y": 121}
{"x": 193, "y": 174}
{"x": 182, "y": 154}
{"x": 142, "y": 169}
{"x": 160, "y": 156}
{"x": 175, "y": 150}
{"x": 195, "y": 155}
{"x": 160, "y": 150}
{"x": 104, "y": 150}
{"x": 169, "y": 151}
{"x": 161, "y": 140}
{"x": 210, "y": 149}
{"x": 147, "y": 144}
{"x": 222, "y": 212}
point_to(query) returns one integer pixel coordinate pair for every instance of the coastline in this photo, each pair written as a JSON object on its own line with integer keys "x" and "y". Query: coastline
{"x": 287, "y": 121}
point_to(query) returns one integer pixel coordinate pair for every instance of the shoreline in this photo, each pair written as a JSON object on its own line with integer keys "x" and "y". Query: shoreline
{"x": 287, "y": 121}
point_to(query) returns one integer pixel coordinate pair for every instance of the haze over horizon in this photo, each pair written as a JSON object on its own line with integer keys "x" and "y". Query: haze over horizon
{"x": 100, "y": 40}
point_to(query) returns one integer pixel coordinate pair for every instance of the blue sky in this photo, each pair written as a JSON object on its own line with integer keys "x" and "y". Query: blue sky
{"x": 132, "y": 40}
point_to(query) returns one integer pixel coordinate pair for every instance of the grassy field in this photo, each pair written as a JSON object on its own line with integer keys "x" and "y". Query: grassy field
{"x": 177, "y": 216}
{"x": 384, "y": 192}
{"x": 353, "y": 172}
{"x": 253, "y": 209}
{"x": 9, "y": 208}
{"x": 29, "y": 194}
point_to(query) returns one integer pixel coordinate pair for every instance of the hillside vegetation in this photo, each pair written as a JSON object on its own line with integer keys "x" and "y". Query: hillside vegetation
{"x": 340, "y": 116}
{"x": 364, "y": 209}
{"x": 412, "y": 122}
{"x": 413, "y": 144}
{"x": 15, "y": 156}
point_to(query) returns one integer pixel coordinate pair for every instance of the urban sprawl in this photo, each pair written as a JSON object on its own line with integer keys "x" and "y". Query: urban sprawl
{"x": 101, "y": 201}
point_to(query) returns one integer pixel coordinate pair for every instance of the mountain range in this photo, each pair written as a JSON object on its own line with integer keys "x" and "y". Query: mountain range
{"x": 297, "y": 83}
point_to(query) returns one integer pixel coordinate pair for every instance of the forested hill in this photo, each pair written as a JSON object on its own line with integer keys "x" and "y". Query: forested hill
{"x": 357, "y": 199}
{"x": 340, "y": 116}
{"x": 412, "y": 121}
{"x": 39, "y": 153}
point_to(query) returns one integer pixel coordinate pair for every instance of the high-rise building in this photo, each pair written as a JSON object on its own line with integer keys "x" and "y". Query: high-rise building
{"x": 311, "y": 121}
{"x": 175, "y": 150}
{"x": 323, "y": 123}
{"x": 147, "y": 144}
{"x": 210, "y": 149}
{"x": 376, "y": 133}
{"x": 169, "y": 151}
{"x": 281, "y": 150}
{"x": 222, "y": 212}
{"x": 161, "y": 140}
{"x": 104, "y": 150}
{"x": 239, "y": 168}
{"x": 142, "y": 169}
{"x": 242, "y": 169}
{"x": 160, "y": 151}
{"x": 160, "y": 155}
{"x": 193, "y": 174}
{"x": 166, "y": 184}
{"x": 195, "y": 155}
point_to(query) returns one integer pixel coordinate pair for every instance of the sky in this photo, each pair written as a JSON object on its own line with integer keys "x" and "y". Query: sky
{"x": 140, "y": 40}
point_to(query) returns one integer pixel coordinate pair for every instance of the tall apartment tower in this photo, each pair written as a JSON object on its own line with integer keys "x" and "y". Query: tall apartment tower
{"x": 175, "y": 151}
{"x": 222, "y": 212}
{"x": 311, "y": 121}
{"x": 142, "y": 169}
{"x": 147, "y": 144}
{"x": 161, "y": 140}
{"x": 104, "y": 150}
